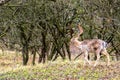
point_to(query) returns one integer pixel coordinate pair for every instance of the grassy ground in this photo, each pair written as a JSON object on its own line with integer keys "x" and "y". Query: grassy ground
{"x": 11, "y": 69}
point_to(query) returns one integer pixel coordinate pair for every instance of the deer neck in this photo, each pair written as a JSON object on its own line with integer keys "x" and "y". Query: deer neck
{"x": 77, "y": 42}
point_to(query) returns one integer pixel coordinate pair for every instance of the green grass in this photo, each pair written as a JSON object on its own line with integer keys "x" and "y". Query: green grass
{"x": 57, "y": 70}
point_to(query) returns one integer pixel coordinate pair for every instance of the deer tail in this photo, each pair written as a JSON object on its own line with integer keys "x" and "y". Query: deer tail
{"x": 104, "y": 44}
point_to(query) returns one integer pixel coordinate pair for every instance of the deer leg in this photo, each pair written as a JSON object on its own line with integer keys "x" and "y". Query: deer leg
{"x": 98, "y": 57}
{"x": 86, "y": 57}
{"x": 104, "y": 52}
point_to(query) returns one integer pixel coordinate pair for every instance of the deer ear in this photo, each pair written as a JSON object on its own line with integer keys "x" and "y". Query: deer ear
{"x": 80, "y": 28}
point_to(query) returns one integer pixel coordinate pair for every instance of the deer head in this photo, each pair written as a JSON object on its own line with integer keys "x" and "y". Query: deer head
{"x": 80, "y": 31}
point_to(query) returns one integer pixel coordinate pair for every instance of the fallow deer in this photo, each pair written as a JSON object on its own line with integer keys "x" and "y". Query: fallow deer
{"x": 86, "y": 47}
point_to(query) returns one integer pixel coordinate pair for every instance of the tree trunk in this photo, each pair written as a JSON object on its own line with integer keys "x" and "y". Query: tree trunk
{"x": 34, "y": 55}
{"x": 117, "y": 56}
{"x": 52, "y": 53}
{"x": 56, "y": 56}
{"x": 117, "y": 51}
{"x": 25, "y": 54}
{"x": 42, "y": 57}
{"x": 68, "y": 51}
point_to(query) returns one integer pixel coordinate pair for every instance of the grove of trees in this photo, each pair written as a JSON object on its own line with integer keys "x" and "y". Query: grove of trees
{"x": 45, "y": 27}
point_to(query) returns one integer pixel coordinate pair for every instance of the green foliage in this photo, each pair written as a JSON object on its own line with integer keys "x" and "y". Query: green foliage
{"x": 49, "y": 25}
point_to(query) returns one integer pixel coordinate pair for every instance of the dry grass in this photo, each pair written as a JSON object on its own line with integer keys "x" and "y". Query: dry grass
{"x": 11, "y": 69}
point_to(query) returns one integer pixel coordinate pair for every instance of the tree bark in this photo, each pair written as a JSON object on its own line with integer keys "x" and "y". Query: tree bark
{"x": 25, "y": 54}
{"x": 68, "y": 51}
{"x": 42, "y": 56}
{"x": 34, "y": 55}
